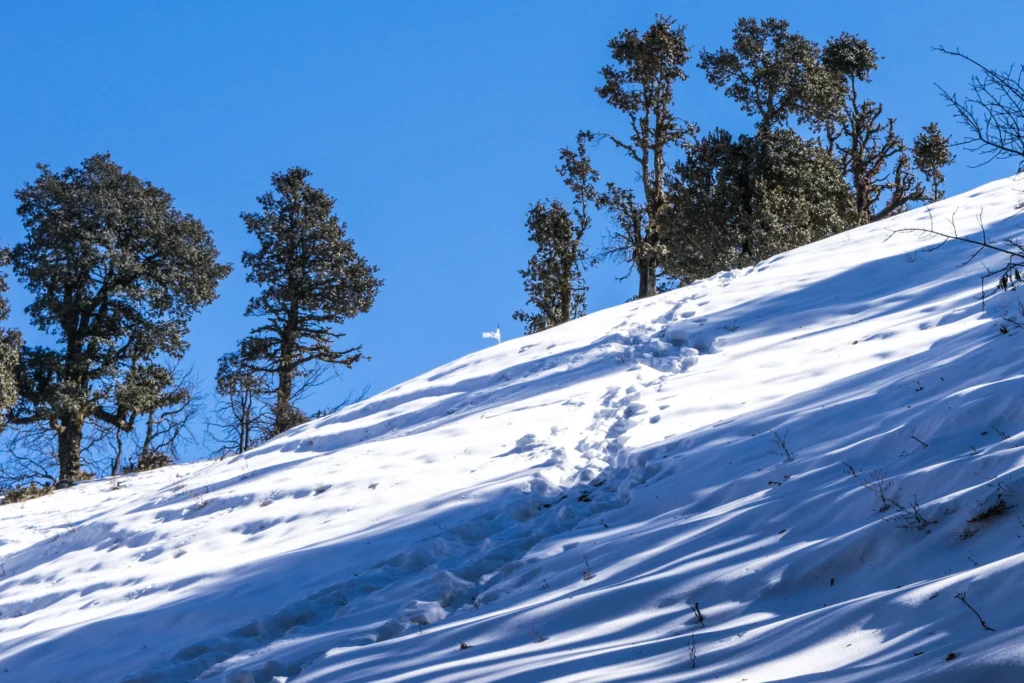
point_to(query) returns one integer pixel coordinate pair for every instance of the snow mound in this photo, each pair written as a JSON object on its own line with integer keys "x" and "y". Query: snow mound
{"x": 806, "y": 470}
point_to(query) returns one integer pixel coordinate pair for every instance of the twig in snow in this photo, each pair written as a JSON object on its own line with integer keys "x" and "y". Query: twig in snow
{"x": 696, "y": 612}
{"x": 587, "y": 574}
{"x": 779, "y": 440}
{"x": 537, "y": 637}
{"x": 693, "y": 651}
{"x": 919, "y": 441}
{"x": 962, "y": 597}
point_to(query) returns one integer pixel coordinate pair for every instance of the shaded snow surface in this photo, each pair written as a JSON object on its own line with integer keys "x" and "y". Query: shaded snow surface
{"x": 563, "y": 503}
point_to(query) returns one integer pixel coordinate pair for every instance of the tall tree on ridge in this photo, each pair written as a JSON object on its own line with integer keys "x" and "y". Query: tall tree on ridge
{"x": 553, "y": 278}
{"x": 116, "y": 272}
{"x": 311, "y": 279}
{"x": 869, "y": 151}
{"x": 641, "y": 84}
{"x": 774, "y": 74}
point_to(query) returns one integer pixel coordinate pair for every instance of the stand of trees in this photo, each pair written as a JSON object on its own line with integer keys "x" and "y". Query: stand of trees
{"x": 116, "y": 272}
{"x": 821, "y": 158}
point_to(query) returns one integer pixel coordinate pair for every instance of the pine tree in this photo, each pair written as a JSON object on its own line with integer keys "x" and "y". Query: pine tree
{"x": 931, "y": 156}
{"x": 553, "y": 279}
{"x": 641, "y": 84}
{"x": 311, "y": 279}
{"x": 116, "y": 273}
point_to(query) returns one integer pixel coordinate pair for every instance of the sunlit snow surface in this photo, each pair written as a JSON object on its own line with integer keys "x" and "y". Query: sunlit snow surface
{"x": 560, "y": 502}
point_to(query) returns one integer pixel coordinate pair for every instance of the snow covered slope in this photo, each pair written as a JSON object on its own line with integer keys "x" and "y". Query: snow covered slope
{"x": 564, "y": 506}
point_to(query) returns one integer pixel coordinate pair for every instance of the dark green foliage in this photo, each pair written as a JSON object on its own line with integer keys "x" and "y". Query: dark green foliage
{"x": 116, "y": 273}
{"x": 852, "y": 57}
{"x": 735, "y": 202}
{"x": 772, "y": 73}
{"x": 10, "y": 345}
{"x": 931, "y": 156}
{"x": 553, "y": 279}
{"x": 641, "y": 85}
{"x": 870, "y": 153}
{"x": 311, "y": 281}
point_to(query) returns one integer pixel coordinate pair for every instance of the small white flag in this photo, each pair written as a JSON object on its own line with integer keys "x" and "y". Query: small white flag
{"x": 496, "y": 335}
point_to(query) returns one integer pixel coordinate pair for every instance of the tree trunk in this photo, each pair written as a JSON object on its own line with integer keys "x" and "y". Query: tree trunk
{"x": 69, "y": 450}
{"x": 648, "y": 271}
{"x": 283, "y": 408}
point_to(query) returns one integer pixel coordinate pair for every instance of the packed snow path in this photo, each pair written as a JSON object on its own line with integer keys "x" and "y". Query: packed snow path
{"x": 807, "y": 470}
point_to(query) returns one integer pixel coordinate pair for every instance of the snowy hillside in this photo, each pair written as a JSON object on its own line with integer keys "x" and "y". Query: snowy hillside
{"x": 563, "y": 506}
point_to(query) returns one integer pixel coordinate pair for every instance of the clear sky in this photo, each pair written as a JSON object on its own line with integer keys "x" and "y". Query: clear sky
{"x": 434, "y": 124}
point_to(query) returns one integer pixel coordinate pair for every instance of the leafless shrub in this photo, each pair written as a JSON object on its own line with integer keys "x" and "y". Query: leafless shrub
{"x": 198, "y": 496}
{"x": 1008, "y": 276}
{"x": 905, "y": 517}
{"x": 992, "y": 112}
{"x": 587, "y": 574}
{"x": 320, "y": 488}
{"x": 911, "y": 518}
{"x": 876, "y": 483}
{"x": 781, "y": 448}
{"x": 997, "y": 508}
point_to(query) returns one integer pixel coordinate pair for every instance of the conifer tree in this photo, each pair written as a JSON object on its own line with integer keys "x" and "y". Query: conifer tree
{"x": 116, "y": 273}
{"x": 10, "y": 346}
{"x": 870, "y": 153}
{"x": 641, "y": 84}
{"x": 774, "y": 74}
{"x": 311, "y": 281}
{"x": 734, "y": 202}
{"x": 553, "y": 279}
{"x": 931, "y": 156}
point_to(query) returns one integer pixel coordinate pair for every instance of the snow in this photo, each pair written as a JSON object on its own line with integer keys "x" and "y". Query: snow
{"x": 563, "y": 504}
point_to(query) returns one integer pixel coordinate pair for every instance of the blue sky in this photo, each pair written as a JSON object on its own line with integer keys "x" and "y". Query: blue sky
{"x": 435, "y": 125}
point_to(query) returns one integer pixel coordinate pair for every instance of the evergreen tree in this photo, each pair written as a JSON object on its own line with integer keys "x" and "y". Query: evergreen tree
{"x": 773, "y": 74}
{"x": 116, "y": 272}
{"x": 641, "y": 85}
{"x": 869, "y": 151}
{"x": 931, "y": 156}
{"x": 311, "y": 281}
{"x": 734, "y": 202}
{"x": 10, "y": 345}
{"x": 553, "y": 279}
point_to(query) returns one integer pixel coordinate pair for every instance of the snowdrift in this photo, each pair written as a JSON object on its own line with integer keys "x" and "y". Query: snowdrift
{"x": 807, "y": 470}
